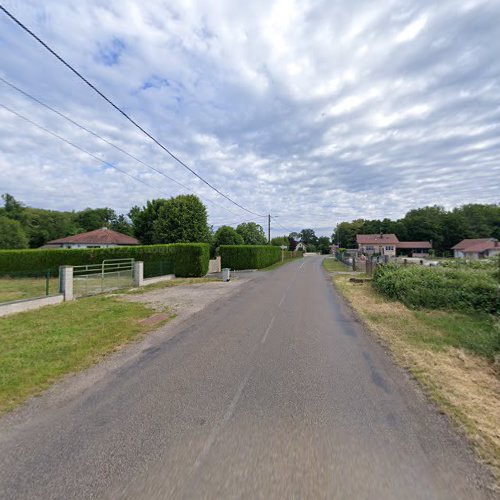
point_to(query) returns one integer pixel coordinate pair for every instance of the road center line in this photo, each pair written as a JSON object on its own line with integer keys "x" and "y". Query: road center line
{"x": 268, "y": 328}
{"x": 218, "y": 428}
{"x": 302, "y": 265}
{"x": 282, "y": 299}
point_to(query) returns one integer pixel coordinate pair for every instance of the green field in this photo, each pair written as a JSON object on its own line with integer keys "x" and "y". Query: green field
{"x": 20, "y": 288}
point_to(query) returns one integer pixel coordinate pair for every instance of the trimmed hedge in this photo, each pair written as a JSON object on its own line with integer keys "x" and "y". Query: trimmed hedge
{"x": 249, "y": 256}
{"x": 439, "y": 288}
{"x": 190, "y": 259}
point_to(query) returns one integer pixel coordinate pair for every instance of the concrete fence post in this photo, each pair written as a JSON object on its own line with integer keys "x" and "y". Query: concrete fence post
{"x": 66, "y": 282}
{"x": 138, "y": 273}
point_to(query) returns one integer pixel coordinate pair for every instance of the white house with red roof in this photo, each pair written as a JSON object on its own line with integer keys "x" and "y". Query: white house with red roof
{"x": 478, "y": 248}
{"x": 388, "y": 244}
{"x": 100, "y": 238}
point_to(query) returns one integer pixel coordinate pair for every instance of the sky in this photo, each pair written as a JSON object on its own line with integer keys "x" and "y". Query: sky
{"x": 316, "y": 112}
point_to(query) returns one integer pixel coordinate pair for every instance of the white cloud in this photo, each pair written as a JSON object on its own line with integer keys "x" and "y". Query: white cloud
{"x": 306, "y": 109}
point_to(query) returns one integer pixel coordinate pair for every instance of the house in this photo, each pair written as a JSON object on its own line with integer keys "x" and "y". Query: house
{"x": 301, "y": 247}
{"x": 414, "y": 248}
{"x": 478, "y": 248}
{"x": 383, "y": 244}
{"x": 100, "y": 238}
{"x": 389, "y": 244}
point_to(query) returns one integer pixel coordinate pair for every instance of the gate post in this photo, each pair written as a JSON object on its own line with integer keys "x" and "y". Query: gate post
{"x": 138, "y": 273}
{"x": 66, "y": 282}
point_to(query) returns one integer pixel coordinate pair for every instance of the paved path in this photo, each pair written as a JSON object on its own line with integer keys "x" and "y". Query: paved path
{"x": 276, "y": 392}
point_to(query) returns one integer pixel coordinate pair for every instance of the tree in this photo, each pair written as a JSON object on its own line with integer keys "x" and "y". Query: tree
{"x": 280, "y": 241}
{"x": 121, "y": 224}
{"x": 292, "y": 242}
{"x": 144, "y": 219}
{"x": 90, "y": 219}
{"x": 308, "y": 237}
{"x": 12, "y": 208}
{"x": 226, "y": 235}
{"x": 324, "y": 245}
{"x": 252, "y": 233}
{"x": 12, "y": 234}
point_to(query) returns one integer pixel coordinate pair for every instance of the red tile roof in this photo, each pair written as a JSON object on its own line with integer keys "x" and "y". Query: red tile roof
{"x": 102, "y": 236}
{"x": 376, "y": 239}
{"x": 414, "y": 244}
{"x": 468, "y": 243}
{"x": 481, "y": 246}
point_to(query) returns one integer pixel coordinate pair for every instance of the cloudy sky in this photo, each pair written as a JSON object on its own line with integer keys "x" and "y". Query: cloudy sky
{"x": 315, "y": 111}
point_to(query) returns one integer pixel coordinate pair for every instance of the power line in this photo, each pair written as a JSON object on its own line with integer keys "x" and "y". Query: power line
{"x": 123, "y": 113}
{"x": 75, "y": 145}
{"x": 95, "y": 134}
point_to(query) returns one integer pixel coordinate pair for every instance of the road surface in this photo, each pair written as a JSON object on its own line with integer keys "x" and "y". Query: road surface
{"x": 276, "y": 392}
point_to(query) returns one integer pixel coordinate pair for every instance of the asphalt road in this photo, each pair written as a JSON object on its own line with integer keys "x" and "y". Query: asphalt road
{"x": 276, "y": 392}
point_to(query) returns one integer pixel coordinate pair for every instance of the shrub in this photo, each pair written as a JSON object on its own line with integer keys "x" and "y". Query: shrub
{"x": 439, "y": 288}
{"x": 249, "y": 256}
{"x": 190, "y": 259}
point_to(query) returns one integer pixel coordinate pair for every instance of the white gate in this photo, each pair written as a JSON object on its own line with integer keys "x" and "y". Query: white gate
{"x": 111, "y": 274}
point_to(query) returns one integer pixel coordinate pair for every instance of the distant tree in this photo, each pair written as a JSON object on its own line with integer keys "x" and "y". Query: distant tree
{"x": 308, "y": 237}
{"x": 252, "y": 233}
{"x": 90, "y": 219}
{"x": 226, "y": 235}
{"x": 12, "y": 234}
{"x": 425, "y": 224}
{"x": 324, "y": 245}
{"x": 279, "y": 241}
{"x": 144, "y": 220}
{"x": 292, "y": 242}
{"x": 121, "y": 224}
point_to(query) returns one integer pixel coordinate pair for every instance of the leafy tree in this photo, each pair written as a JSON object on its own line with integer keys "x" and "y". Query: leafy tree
{"x": 90, "y": 219}
{"x": 252, "y": 233}
{"x": 12, "y": 208}
{"x": 226, "y": 235}
{"x": 121, "y": 224}
{"x": 308, "y": 237}
{"x": 425, "y": 224}
{"x": 292, "y": 242}
{"x": 12, "y": 234}
{"x": 280, "y": 241}
{"x": 182, "y": 219}
{"x": 324, "y": 245}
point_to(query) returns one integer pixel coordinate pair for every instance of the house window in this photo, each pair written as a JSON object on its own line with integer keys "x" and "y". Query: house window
{"x": 389, "y": 248}
{"x": 369, "y": 248}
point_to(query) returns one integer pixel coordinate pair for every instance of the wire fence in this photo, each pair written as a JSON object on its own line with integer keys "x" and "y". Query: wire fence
{"x": 158, "y": 268}
{"x": 23, "y": 285}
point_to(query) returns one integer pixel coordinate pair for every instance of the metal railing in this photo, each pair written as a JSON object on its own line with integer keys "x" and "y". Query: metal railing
{"x": 23, "y": 285}
{"x": 111, "y": 274}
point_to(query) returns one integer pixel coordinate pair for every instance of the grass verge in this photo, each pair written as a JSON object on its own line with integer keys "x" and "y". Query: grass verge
{"x": 39, "y": 347}
{"x": 450, "y": 354}
{"x": 279, "y": 264}
{"x": 333, "y": 265}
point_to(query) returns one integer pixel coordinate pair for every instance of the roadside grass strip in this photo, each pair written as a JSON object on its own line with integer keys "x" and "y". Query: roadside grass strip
{"x": 39, "y": 347}
{"x": 333, "y": 265}
{"x": 453, "y": 355}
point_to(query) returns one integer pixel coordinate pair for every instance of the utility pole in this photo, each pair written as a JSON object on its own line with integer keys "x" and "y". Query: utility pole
{"x": 269, "y": 229}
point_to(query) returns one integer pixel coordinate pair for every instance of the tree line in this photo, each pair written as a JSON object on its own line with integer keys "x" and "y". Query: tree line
{"x": 181, "y": 219}
{"x": 445, "y": 228}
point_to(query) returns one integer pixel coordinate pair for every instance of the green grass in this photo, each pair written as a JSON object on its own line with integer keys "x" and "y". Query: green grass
{"x": 39, "y": 347}
{"x": 333, "y": 265}
{"x": 20, "y": 288}
{"x": 167, "y": 284}
{"x": 477, "y": 333}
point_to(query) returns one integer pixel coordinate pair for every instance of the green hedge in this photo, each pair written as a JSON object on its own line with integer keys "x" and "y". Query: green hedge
{"x": 439, "y": 288}
{"x": 190, "y": 259}
{"x": 249, "y": 256}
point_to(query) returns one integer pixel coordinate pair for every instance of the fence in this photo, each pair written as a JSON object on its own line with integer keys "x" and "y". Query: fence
{"x": 110, "y": 275}
{"x": 24, "y": 285}
{"x": 153, "y": 269}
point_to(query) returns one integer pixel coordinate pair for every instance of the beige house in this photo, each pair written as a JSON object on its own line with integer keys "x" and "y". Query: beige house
{"x": 479, "y": 248}
{"x": 383, "y": 244}
{"x": 389, "y": 244}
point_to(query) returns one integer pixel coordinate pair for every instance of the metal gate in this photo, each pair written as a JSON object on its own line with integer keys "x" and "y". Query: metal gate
{"x": 111, "y": 274}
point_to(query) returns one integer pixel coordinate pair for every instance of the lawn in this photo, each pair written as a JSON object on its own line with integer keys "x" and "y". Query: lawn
{"x": 452, "y": 354}
{"x": 39, "y": 347}
{"x": 26, "y": 287}
{"x": 333, "y": 265}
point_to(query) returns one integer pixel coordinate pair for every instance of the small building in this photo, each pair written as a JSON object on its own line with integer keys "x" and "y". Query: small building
{"x": 382, "y": 244}
{"x": 100, "y": 238}
{"x": 301, "y": 247}
{"x": 414, "y": 248}
{"x": 478, "y": 248}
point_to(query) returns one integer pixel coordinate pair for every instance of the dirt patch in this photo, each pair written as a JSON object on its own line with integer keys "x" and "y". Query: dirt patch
{"x": 464, "y": 385}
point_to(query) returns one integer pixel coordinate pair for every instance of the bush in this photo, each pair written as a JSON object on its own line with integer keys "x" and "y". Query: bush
{"x": 249, "y": 256}
{"x": 439, "y": 288}
{"x": 190, "y": 259}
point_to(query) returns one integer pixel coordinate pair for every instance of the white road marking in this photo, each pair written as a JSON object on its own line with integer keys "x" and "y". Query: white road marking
{"x": 302, "y": 265}
{"x": 217, "y": 429}
{"x": 268, "y": 328}
{"x": 282, "y": 299}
